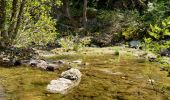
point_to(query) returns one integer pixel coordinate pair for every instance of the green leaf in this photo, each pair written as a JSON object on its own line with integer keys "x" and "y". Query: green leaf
{"x": 164, "y": 24}
{"x": 166, "y": 32}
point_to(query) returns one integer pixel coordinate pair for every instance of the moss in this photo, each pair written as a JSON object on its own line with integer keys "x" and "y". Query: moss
{"x": 25, "y": 83}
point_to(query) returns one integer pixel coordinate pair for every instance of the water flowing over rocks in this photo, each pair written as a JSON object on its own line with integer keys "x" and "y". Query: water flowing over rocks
{"x": 69, "y": 79}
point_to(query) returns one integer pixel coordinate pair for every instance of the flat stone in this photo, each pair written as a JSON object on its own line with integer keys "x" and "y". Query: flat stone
{"x": 59, "y": 86}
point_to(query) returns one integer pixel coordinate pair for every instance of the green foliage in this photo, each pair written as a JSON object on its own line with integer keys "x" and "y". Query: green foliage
{"x": 74, "y": 43}
{"x": 131, "y": 32}
{"x": 40, "y": 33}
{"x": 116, "y": 25}
{"x": 38, "y": 28}
{"x": 157, "y": 10}
{"x": 66, "y": 43}
{"x": 158, "y": 33}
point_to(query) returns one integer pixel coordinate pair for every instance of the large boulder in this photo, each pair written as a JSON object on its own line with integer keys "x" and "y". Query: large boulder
{"x": 72, "y": 74}
{"x": 59, "y": 86}
{"x": 69, "y": 79}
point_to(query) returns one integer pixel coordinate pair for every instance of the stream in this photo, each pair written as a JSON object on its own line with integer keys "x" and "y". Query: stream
{"x": 105, "y": 77}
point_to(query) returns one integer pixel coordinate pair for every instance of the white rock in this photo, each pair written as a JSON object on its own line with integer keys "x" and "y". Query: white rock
{"x": 79, "y": 62}
{"x": 72, "y": 74}
{"x": 42, "y": 64}
{"x": 59, "y": 86}
{"x": 151, "y": 81}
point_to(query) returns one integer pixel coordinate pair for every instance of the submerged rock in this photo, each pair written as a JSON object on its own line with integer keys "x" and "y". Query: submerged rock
{"x": 72, "y": 74}
{"x": 79, "y": 62}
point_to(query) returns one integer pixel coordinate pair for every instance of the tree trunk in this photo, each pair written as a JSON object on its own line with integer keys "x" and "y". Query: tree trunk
{"x": 85, "y": 13}
{"x": 67, "y": 12}
{"x": 13, "y": 18}
{"x": 3, "y": 33}
{"x": 19, "y": 19}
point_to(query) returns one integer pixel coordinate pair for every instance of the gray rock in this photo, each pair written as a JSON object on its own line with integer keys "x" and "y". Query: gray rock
{"x": 42, "y": 64}
{"x": 52, "y": 67}
{"x": 165, "y": 52}
{"x": 134, "y": 44}
{"x": 9, "y": 61}
{"x": 69, "y": 79}
{"x": 151, "y": 57}
{"x": 61, "y": 85}
{"x": 39, "y": 64}
{"x": 72, "y": 74}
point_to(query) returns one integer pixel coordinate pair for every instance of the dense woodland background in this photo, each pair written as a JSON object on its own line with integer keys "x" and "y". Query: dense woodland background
{"x": 76, "y": 23}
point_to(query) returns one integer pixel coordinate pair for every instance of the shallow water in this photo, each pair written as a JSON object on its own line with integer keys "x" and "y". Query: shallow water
{"x": 107, "y": 77}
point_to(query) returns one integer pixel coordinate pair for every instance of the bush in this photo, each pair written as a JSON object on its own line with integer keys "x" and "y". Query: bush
{"x": 116, "y": 25}
{"x": 74, "y": 42}
{"x": 39, "y": 33}
{"x": 158, "y": 36}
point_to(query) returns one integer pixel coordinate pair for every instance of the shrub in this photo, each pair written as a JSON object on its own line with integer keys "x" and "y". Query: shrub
{"x": 74, "y": 42}
{"x": 158, "y": 34}
{"x": 115, "y": 25}
{"x": 40, "y": 33}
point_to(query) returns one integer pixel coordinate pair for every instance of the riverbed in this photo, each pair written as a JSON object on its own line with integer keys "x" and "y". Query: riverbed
{"x": 106, "y": 76}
